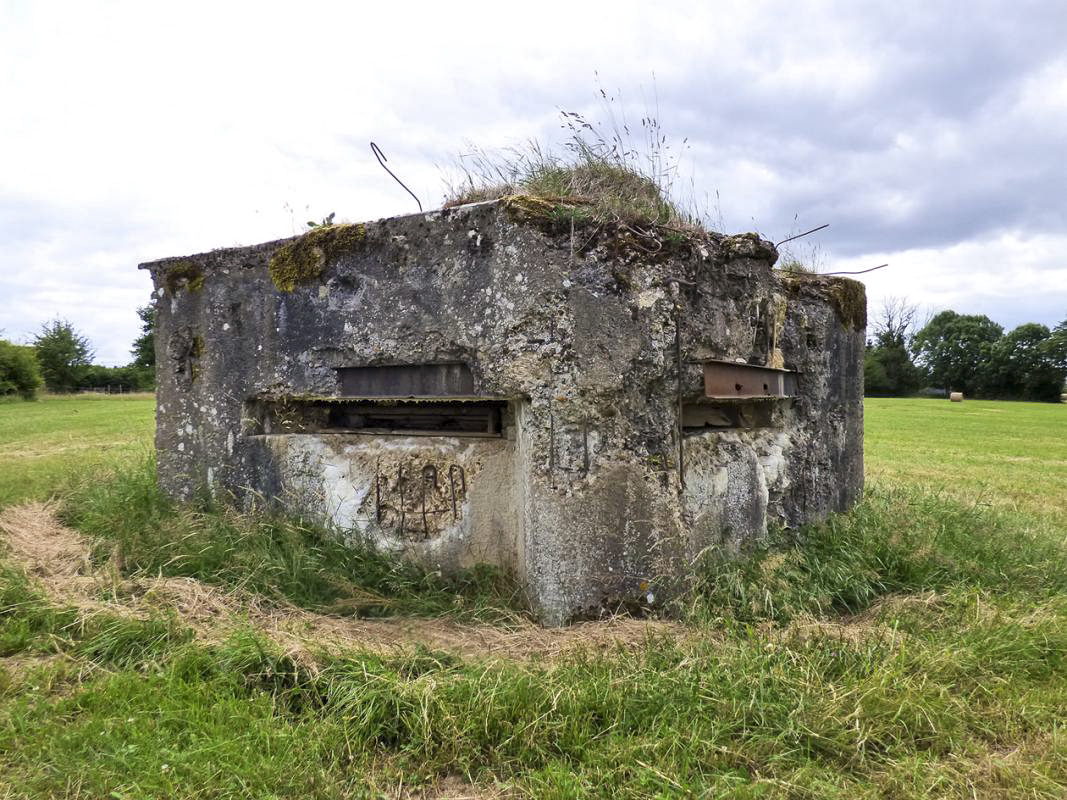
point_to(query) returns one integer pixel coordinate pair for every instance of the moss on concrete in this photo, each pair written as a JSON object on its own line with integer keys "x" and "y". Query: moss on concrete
{"x": 197, "y": 347}
{"x": 622, "y": 240}
{"x": 849, "y": 299}
{"x": 183, "y": 275}
{"x": 303, "y": 260}
{"x": 549, "y": 214}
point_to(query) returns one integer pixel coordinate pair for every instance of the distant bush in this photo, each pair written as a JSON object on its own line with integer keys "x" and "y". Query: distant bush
{"x": 973, "y": 354}
{"x": 888, "y": 371}
{"x": 19, "y": 371}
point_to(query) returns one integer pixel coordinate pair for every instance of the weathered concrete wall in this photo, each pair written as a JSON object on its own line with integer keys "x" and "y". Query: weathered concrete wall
{"x": 582, "y": 493}
{"x": 464, "y": 512}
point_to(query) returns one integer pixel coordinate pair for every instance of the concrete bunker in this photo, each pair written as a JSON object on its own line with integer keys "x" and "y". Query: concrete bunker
{"x": 591, "y": 409}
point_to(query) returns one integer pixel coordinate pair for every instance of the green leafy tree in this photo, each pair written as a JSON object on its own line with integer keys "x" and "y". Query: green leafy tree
{"x": 888, "y": 371}
{"x": 955, "y": 350}
{"x": 875, "y": 380}
{"x": 1056, "y": 346}
{"x": 19, "y": 372}
{"x": 64, "y": 355}
{"x": 1022, "y": 366}
{"x": 144, "y": 346}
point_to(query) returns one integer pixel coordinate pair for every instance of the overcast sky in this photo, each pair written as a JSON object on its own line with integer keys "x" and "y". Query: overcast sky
{"x": 929, "y": 135}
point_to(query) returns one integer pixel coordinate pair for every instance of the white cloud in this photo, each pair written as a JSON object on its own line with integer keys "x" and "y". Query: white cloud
{"x": 1011, "y": 278}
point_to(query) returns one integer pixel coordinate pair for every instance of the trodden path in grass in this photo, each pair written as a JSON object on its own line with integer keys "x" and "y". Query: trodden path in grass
{"x": 59, "y": 559}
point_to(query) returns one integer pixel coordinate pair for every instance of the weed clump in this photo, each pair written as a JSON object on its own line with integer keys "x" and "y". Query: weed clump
{"x": 591, "y": 190}
{"x": 600, "y": 181}
{"x": 796, "y": 267}
{"x": 304, "y": 259}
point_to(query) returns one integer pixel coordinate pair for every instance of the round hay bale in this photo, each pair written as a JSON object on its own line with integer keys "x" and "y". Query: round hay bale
{"x": 956, "y": 397}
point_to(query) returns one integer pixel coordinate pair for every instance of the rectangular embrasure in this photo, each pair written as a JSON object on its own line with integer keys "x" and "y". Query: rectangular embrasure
{"x": 468, "y": 417}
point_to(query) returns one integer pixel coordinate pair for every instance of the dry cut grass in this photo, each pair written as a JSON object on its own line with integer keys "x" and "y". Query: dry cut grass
{"x": 60, "y": 559}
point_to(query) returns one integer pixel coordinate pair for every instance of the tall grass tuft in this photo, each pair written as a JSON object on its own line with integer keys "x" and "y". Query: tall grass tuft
{"x": 901, "y": 540}
{"x": 599, "y": 170}
{"x": 27, "y": 620}
{"x": 131, "y": 642}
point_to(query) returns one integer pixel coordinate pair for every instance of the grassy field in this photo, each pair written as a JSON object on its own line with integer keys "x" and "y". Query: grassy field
{"x": 914, "y": 648}
{"x": 1011, "y": 455}
{"x": 44, "y": 443}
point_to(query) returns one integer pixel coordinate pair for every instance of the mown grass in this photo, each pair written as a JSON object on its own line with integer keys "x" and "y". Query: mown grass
{"x": 45, "y": 442}
{"x": 1010, "y": 455}
{"x": 914, "y": 648}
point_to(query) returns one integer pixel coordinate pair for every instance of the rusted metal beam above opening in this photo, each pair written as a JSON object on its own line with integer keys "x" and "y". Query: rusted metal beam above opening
{"x": 726, "y": 379}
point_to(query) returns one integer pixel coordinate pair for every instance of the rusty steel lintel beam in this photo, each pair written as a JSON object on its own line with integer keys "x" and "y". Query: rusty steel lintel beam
{"x": 724, "y": 379}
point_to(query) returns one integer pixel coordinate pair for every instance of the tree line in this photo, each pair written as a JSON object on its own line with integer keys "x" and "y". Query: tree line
{"x": 60, "y": 359}
{"x": 966, "y": 353}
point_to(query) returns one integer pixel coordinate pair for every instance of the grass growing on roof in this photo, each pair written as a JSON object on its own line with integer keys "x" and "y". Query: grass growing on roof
{"x": 600, "y": 178}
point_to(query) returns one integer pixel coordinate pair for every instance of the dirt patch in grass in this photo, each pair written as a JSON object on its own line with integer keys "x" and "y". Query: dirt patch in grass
{"x": 456, "y": 788}
{"x": 894, "y": 604}
{"x": 59, "y": 558}
{"x": 21, "y": 663}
